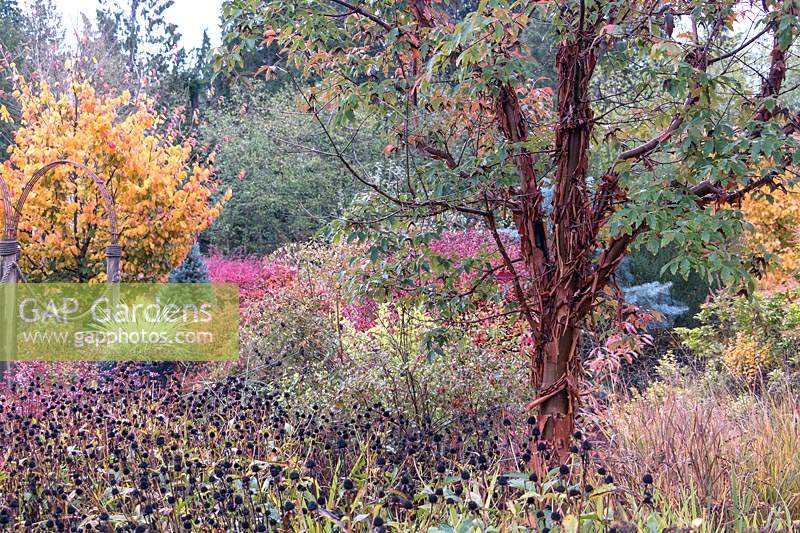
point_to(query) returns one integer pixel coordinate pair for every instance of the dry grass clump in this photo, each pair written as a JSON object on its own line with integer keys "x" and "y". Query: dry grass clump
{"x": 734, "y": 460}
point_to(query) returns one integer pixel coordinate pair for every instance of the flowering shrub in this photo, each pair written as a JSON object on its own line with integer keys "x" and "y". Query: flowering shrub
{"x": 256, "y": 278}
{"x": 361, "y": 313}
{"x": 473, "y": 254}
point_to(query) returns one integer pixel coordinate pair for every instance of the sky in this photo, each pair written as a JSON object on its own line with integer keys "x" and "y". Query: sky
{"x": 191, "y": 16}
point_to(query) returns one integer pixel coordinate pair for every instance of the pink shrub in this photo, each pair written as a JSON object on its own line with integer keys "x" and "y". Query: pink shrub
{"x": 466, "y": 243}
{"x": 362, "y": 313}
{"x": 245, "y": 271}
{"x": 256, "y": 278}
{"x": 469, "y": 243}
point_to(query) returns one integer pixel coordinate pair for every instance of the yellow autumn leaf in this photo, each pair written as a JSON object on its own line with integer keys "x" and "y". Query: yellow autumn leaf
{"x": 114, "y": 137}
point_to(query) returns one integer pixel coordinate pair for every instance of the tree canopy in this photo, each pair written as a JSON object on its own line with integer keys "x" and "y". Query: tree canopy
{"x": 661, "y": 119}
{"x": 162, "y": 199}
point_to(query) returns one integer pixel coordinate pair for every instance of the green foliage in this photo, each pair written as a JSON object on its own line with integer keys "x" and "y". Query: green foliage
{"x": 436, "y": 82}
{"x": 748, "y": 335}
{"x": 274, "y": 159}
{"x": 10, "y": 17}
{"x": 393, "y": 355}
{"x": 691, "y": 291}
{"x": 192, "y": 270}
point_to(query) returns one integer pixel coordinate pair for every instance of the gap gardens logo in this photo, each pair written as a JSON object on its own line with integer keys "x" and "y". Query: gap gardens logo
{"x": 119, "y": 322}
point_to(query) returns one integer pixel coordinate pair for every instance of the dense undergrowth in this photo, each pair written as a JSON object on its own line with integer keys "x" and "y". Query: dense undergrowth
{"x": 128, "y": 451}
{"x": 138, "y": 454}
{"x": 337, "y": 418}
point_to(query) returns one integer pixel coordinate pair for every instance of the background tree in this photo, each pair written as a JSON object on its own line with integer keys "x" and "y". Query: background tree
{"x": 44, "y": 36}
{"x": 147, "y": 40}
{"x": 162, "y": 198}
{"x": 128, "y": 45}
{"x": 10, "y": 41}
{"x": 272, "y": 158}
{"x": 661, "y": 153}
{"x": 134, "y": 38}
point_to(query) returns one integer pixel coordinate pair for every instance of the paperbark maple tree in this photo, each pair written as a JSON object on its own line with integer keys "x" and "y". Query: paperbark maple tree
{"x": 652, "y": 132}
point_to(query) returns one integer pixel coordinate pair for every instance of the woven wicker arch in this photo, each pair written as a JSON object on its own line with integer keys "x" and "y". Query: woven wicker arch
{"x": 12, "y": 221}
{"x": 7, "y": 212}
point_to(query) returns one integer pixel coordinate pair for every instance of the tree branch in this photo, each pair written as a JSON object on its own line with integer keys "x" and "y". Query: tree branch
{"x": 648, "y": 147}
{"x": 361, "y": 179}
{"x": 739, "y": 48}
{"x": 520, "y": 293}
{"x": 436, "y": 153}
{"x": 364, "y": 13}
{"x": 529, "y": 217}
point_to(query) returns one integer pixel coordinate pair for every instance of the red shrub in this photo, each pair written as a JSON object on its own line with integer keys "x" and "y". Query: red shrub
{"x": 256, "y": 277}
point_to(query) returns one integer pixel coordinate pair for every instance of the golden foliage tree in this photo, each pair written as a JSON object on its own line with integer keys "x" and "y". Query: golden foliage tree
{"x": 163, "y": 198}
{"x": 775, "y": 230}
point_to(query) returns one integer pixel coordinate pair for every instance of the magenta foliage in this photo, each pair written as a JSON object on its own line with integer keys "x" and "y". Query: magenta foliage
{"x": 472, "y": 242}
{"x": 466, "y": 243}
{"x": 256, "y": 277}
{"x": 361, "y": 313}
{"x": 259, "y": 278}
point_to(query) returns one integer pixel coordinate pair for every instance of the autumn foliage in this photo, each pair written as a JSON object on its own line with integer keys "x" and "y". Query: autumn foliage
{"x": 162, "y": 197}
{"x": 775, "y": 234}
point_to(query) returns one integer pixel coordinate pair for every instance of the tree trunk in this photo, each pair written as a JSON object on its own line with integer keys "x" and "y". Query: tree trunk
{"x": 557, "y": 411}
{"x": 557, "y": 265}
{"x": 557, "y": 377}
